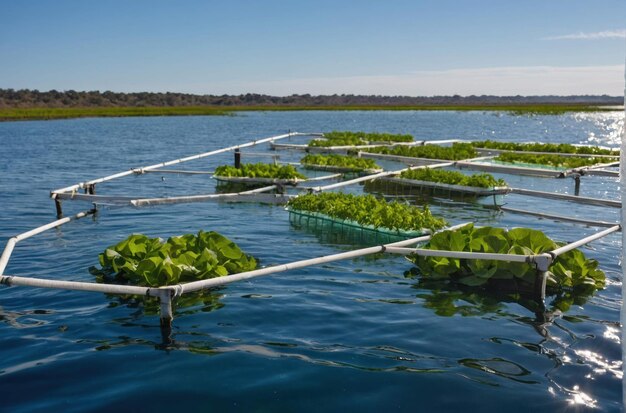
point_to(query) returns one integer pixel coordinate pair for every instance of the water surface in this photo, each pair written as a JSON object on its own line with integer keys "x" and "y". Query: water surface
{"x": 354, "y": 335}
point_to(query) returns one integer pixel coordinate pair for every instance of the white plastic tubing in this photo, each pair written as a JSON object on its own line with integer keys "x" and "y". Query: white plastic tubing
{"x": 176, "y": 161}
{"x": 8, "y": 249}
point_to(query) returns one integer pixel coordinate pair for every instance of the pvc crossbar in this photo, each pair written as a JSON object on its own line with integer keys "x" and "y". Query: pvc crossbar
{"x": 374, "y": 176}
{"x": 519, "y": 170}
{"x": 463, "y": 254}
{"x": 12, "y": 242}
{"x": 579, "y": 155}
{"x": 197, "y": 198}
{"x": 565, "y": 197}
{"x": 558, "y": 217}
{"x": 177, "y": 161}
{"x": 373, "y": 145}
{"x": 586, "y": 240}
{"x": 134, "y": 201}
{"x": 172, "y": 171}
{"x": 601, "y": 172}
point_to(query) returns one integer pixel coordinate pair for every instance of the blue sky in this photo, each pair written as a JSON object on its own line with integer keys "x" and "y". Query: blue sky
{"x": 401, "y": 47}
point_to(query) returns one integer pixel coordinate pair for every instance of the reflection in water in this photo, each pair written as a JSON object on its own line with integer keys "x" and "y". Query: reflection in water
{"x": 500, "y": 367}
{"x": 23, "y": 319}
{"x": 447, "y": 300}
{"x": 190, "y": 303}
{"x": 610, "y": 125}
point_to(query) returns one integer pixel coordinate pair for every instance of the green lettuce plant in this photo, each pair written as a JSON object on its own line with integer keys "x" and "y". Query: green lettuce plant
{"x": 550, "y": 160}
{"x": 570, "y": 270}
{"x": 544, "y": 147}
{"x": 482, "y": 180}
{"x": 351, "y": 162}
{"x": 260, "y": 170}
{"x": 368, "y": 210}
{"x": 144, "y": 261}
{"x": 455, "y": 152}
{"x": 347, "y": 138}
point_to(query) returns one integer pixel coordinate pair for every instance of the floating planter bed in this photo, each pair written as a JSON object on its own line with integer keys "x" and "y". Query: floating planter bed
{"x": 340, "y": 138}
{"x": 568, "y": 270}
{"x": 374, "y": 219}
{"x": 421, "y": 155}
{"x": 560, "y": 148}
{"x": 549, "y": 160}
{"x": 259, "y": 174}
{"x": 340, "y": 163}
{"x": 139, "y": 260}
{"x": 438, "y": 182}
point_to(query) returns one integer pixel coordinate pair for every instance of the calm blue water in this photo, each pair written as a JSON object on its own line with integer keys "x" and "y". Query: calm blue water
{"x": 351, "y": 335}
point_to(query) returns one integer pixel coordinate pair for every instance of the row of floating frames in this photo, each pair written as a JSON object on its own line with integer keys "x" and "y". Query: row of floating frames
{"x": 344, "y": 149}
{"x": 167, "y": 293}
{"x": 489, "y": 152}
{"x": 411, "y": 187}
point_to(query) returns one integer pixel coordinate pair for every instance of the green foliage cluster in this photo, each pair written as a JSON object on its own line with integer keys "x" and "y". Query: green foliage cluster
{"x": 551, "y": 160}
{"x": 140, "y": 260}
{"x": 106, "y": 112}
{"x": 571, "y": 270}
{"x": 260, "y": 170}
{"x": 544, "y": 147}
{"x": 356, "y": 164}
{"x": 368, "y": 210}
{"x": 455, "y": 152}
{"x": 348, "y": 138}
{"x": 482, "y": 180}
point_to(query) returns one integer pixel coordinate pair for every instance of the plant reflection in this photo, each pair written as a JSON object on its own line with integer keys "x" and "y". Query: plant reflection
{"x": 447, "y": 298}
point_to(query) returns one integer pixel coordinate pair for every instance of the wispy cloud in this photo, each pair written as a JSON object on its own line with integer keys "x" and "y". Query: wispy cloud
{"x": 607, "y": 34}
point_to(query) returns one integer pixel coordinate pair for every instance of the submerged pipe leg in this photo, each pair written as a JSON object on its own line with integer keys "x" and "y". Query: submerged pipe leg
{"x": 167, "y": 315}
{"x": 540, "y": 285}
{"x": 59, "y": 208}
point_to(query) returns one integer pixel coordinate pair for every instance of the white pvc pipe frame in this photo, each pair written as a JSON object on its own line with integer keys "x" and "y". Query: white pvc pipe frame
{"x": 167, "y": 293}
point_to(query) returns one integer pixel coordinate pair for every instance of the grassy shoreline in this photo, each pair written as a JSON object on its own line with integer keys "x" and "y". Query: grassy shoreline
{"x": 17, "y": 114}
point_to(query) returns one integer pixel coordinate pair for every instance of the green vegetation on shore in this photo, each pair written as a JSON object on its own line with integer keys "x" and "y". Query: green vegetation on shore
{"x": 105, "y": 112}
{"x": 38, "y": 113}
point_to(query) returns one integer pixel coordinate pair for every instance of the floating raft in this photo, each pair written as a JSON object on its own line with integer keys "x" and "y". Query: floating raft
{"x": 349, "y": 229}
{"x": 515, "y": 169}
{"x": 403, "y": 186}
{"x": 489, "y": 151}
{"x": 461, "y": 189}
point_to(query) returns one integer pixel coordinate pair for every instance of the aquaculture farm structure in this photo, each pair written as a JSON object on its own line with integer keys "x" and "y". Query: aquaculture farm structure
{"x": 269, "y": 191}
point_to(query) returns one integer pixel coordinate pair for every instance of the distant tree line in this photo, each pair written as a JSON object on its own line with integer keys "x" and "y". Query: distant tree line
{"x": 25, "y": 98}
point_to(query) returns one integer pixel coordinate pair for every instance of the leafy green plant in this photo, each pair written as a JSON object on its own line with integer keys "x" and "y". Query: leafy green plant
{"x": 550, "y": 160}
{"x": 368, "y": 210}
{"x": 347, "y": 138}
{"x": 544, "y": 147}
{"x": 455, "y": 152}
{"x": 140, "y": 260}
{"x": 482, "y": 180}
{"x": 260, "y": 170}
{"x": 355, "y": 164}
{"x": 570, "y": 270}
